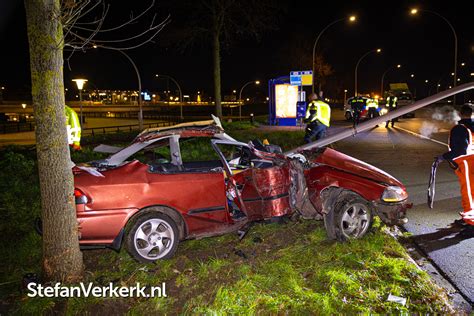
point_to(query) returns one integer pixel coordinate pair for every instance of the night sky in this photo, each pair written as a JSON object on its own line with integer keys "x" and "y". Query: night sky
{"x": 422, "y": 44}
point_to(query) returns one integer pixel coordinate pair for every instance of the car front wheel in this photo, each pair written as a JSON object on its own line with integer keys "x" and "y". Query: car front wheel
{"x": 350, "y": 218}
{"x": 151, "y": 237}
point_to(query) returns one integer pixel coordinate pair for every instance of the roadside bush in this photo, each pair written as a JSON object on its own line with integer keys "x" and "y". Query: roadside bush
{"x": 20, "y": 249}
{"x": 19, "y": 187}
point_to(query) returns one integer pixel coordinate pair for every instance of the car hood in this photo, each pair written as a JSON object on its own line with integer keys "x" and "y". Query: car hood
{"x": 349, "y": 164}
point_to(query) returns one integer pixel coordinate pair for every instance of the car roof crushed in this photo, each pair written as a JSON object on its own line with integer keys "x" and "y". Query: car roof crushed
{"x": 191, "y": 129}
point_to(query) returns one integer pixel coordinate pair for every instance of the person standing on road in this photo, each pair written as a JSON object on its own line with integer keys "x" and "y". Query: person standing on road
{"x": 391, "y": 106}
{"x": 461, "y": 157}
{"x": 372, "y": 107}
{"x": 357, "y": 105}
{"x": 317, "y": 118}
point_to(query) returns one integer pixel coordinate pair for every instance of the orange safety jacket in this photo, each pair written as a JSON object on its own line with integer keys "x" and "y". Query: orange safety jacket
{"x": 465, "y": 171}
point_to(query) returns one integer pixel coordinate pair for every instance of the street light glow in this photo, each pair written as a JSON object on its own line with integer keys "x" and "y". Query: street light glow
{"x": 412, "y": 75}
{"x": 463, "y": 64}
{"x": 23, "y": 105}
{"x": 345, "y": 90}
{"x": 352, "y": 18}
{"x": 414, "y": 11}
{"x": 80, "y": 83}
{"x": 399, "y": 66}
{"x": 379, "y": 50}
{"x": 426, "y": 81}
{"x": 257, "y": 82}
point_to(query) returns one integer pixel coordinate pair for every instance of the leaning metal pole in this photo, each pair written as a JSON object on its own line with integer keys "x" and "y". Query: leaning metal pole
{"x": 382, "y": 119}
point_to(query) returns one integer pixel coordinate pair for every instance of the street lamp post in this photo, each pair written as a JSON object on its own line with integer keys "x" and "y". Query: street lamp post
{"x": 378, "y": 50}
{"x": 345, "y": 96}
{"x": 240, "y": 96}
{"x": 415, "y": 11}
{"x": 80, "y": 85}
{"x": 180, "y": 92}
{"x": 140, "y": 110}
{"x": 383, "y": 77}
{"x": 352, "y": 18}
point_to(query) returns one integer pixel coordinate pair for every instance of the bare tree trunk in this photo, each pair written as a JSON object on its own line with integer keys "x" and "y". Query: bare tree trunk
{"x": 62, "y": 259}
{"x": 217, "y": 72}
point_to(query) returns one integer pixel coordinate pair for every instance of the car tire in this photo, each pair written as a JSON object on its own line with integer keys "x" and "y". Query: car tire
{"x": 350, "y": 218}
{"x": 348, "y": 116}
{"x": 152, "y": 236}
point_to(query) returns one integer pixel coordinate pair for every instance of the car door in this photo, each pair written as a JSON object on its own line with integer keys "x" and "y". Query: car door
{"x": 262, "y": 186}
{"x": 198, "y": 194}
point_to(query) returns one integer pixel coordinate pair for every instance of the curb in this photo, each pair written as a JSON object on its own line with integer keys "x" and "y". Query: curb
{"x": 419, "y": 258}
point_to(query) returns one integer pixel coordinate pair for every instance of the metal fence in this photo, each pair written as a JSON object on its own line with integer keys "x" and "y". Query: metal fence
{"x": 16, "y": 127}
{"x": 123, "y": 128}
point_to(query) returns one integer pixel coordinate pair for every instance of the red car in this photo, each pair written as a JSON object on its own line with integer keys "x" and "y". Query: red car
{"x": 156, "y": 192}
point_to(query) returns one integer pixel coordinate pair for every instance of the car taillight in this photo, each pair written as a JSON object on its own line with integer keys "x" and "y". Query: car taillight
{"x": 81, "y": 198}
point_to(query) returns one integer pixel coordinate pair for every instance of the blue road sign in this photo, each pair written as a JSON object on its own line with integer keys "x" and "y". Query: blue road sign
{"x": 301, "y": 78}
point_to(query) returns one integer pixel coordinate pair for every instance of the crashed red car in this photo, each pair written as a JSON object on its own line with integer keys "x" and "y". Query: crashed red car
{"x": 154, "y": 193}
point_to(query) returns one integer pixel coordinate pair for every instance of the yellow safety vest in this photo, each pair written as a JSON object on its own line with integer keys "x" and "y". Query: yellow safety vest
{"x": 73, "y": 127}
{"x": 323, "y": 112}
{"x": 394, "y": 102}
{"x": 372, "y": 104}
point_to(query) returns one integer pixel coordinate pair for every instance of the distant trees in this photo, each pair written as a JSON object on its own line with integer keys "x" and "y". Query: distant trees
{"x": 298, "y": 56}
{"x": 218, "y": 23}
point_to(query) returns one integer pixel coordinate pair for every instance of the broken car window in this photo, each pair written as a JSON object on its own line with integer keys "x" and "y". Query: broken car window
{"x": 198, "y": 155}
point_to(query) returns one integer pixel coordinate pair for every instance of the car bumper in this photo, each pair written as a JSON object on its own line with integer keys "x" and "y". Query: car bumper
{"x": 392, "y": 213}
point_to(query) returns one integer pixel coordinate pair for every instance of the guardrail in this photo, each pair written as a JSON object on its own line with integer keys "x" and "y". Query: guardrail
{"x": 16, "y": 127}
{"x": 93, "y": 131}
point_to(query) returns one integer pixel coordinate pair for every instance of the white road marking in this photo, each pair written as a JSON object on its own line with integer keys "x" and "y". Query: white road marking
{"x": 421, "y": 136}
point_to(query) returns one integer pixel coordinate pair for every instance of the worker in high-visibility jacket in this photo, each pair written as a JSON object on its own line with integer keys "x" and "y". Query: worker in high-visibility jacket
{"x": 317, "y": 119}
{"x": 372, "y": 108}
{"x": 358, "y": 104}
{"x": 391, "y": 105}
{"x": 461, "y": 158}
{"x": 73, "y": 128}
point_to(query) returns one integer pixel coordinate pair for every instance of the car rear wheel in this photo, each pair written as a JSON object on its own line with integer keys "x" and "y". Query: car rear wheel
{"x": 151, "y": 237}
{"x": 348, "y": 116}
{"x": 350, "y": 218}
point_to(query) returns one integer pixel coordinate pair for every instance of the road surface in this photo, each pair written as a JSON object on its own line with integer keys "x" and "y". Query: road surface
{"x": 408, "y": 157}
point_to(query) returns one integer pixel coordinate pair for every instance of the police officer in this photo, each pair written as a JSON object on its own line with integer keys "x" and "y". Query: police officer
{"x": 391, "y": 105}
{"x": 317, "y": 118}
{"x": 357, "y": 105}
{"x": 461, "y": 158}
{"x": 372, "y": 107}
{"x": 73, "y": 128}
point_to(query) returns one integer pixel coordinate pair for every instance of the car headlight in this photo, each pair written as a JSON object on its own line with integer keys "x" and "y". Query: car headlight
{"x": 394, "y": 194}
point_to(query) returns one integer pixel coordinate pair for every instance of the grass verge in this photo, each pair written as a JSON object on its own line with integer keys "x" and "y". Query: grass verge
{"x": 277, "y": 268}
{"x": 290, "y": 268}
